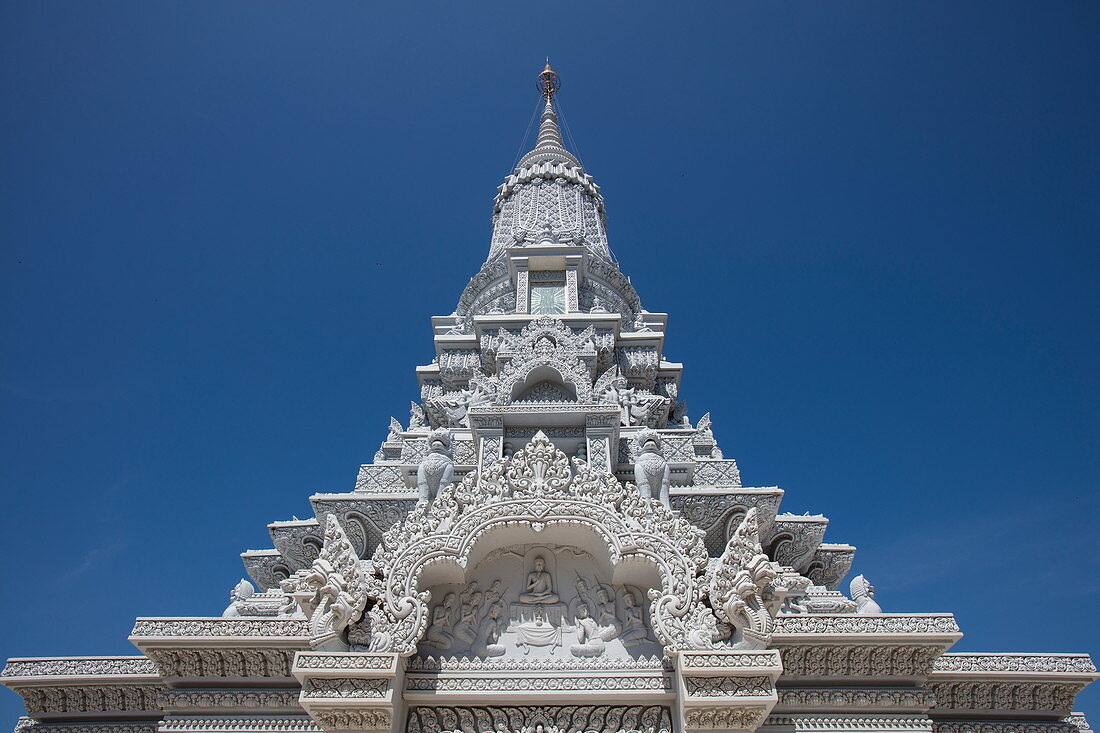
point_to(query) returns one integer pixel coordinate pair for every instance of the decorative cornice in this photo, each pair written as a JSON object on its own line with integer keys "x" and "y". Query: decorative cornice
{"x": 884, "y": 624}
{"x": 70, "y": 666}
{"x": 152, "y": 629}
{"x": 702, "y": 661}
{"x": 1041, "y": 663}
{"x": 318, "y": 660}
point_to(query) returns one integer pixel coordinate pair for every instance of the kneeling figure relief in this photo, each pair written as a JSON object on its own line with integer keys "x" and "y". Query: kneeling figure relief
{"x": 539, "y": 602}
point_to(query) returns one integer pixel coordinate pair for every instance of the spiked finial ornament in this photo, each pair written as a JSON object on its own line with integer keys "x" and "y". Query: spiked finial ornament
{"x": 548, "y": 83}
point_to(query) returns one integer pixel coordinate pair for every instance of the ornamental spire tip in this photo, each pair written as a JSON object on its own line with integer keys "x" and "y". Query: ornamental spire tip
{"x": 548, "y": 82}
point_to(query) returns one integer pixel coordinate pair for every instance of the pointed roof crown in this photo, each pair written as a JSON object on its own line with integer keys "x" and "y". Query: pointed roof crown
{"x": 549, "y": 147}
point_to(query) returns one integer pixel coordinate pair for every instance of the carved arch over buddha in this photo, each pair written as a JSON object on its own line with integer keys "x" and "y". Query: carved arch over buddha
{"x": 535, "y": 498}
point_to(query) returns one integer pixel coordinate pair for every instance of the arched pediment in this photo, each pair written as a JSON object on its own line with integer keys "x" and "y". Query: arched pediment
{"x": 547, "y": 350}
{"x": 547, "y": 387}
{"x": 537, "y": 498}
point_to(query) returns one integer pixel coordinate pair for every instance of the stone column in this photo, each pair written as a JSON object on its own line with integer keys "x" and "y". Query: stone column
{"x": 602, "y": 434}
{"x": 572, "y": 291}
{"x": 522, "y": 299}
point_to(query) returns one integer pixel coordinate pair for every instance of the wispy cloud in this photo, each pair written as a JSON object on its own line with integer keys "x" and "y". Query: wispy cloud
{"x": 107, "y": 548}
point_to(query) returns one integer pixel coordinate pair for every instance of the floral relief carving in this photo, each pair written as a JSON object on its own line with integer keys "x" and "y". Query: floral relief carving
{"x": 527, "y": 719}
{"x": 724, "y": 718}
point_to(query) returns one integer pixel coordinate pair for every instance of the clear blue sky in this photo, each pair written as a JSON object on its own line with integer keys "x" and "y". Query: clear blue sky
{"x": 874, "y": 225}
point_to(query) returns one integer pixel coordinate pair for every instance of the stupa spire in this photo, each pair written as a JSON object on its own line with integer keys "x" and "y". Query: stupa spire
{"x": 549, "y": 146}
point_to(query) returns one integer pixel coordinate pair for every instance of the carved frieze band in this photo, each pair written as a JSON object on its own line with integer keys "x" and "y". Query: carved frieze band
{"x": 650, "y": 683}
{"x": 1004, "y": 726}
{"x": 223, "y": 662}
{"x": 816, "y": 698}
{"x": 884, "y": 624}
{"x": 357, "y": 719}
{"x": 1015, "y": 663}
{"x": 363, "y": 662}
{"x": 212, "y": 701}
{"x": 26, "y": 725}
{"x": 528, "y": 719}
{"x": 65, "y": 666}
{"x": 858, "y": 661}
{"x": 221, "y": 627}
{"x": 703, "y": 661}
{"x": 1029, "y": 696}
{"x": 506, "y": 664}
{"x": 342, "y": 687}
{"x": 89, "y": 699}
{"x": 724, "y": 718}
{"x": 894, "y": 724}
{"x": 297, "y": 724}
{"x": 727, "y": 686}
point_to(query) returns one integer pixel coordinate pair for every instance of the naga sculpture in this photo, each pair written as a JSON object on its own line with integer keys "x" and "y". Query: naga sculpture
{"x": 438, "y": 467}
{"x": 332, "y": 592}
{"x": 739, "y": 583}
{"x": 651, "y": 472}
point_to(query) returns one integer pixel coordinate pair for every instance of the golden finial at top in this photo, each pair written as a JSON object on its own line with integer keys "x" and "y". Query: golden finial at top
{"x": 548, "y": 83}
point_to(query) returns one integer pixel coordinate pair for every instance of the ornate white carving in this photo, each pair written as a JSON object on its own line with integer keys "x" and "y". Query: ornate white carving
{"x": 1002, "y": 695}
{"x": 542, "y": 719}
{"x": 819, "y": 660}
{"x": 223, "y": 662}
{"x": 167, "y": 628}
{"x": 863, "y": 593}
{"x": 738, "y": 583}
{"x": 354, "y": 719}
{"x": 825, "y": 698}
{"x": 236, "y": 724}
{"x": 26, "y": 725}
{"x": 637, "y": 406}
{"x": 970, "y": 662}
{"x": 724, "y": 718}
{"x": 200, "y": 702}
{"x": 651, "y": 472}
{"x": 535, "y": 487}
{"x": 90, "y": 699}
{"x": 333, "y": 591}
{"x": 437, "y": 468}
{"x": 919, "y": 623}
{"x": 78, "y": 666}
{"x": 546, "y": 346}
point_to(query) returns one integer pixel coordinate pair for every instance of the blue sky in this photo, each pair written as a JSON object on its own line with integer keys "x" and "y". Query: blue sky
{"x": 225, "y": 226}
